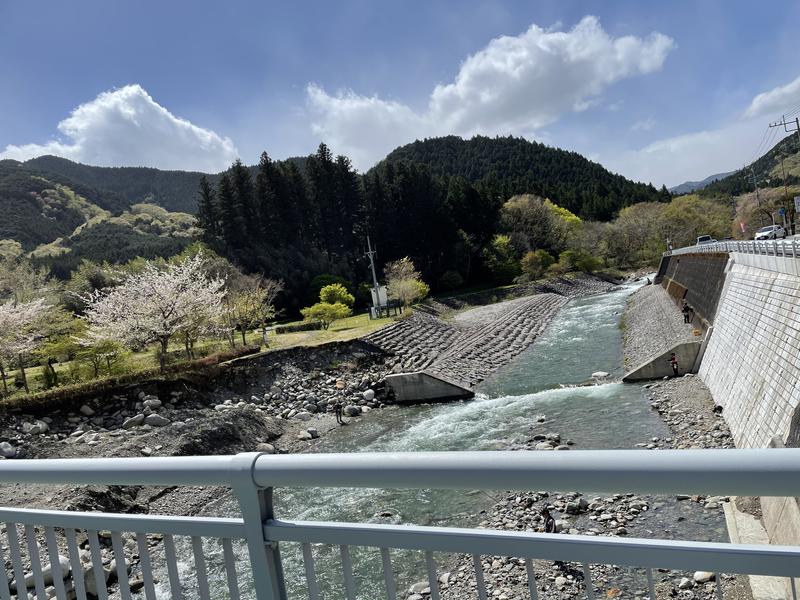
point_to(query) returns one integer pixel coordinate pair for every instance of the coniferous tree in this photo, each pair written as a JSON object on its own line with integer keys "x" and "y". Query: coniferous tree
{"x": 207, "y": 217}
{"x": 230, "y": 218}
{"x": 243, "y": 190}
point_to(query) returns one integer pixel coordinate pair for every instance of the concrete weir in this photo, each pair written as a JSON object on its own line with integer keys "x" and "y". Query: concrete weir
{"x": 425, "y": 386}
{"x": 660, "y": 366}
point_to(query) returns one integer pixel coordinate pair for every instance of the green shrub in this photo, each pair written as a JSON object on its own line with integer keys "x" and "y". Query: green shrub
{"x": 450, "y": 280}
{"x": 336, "y": 293}
{"x": 535, "y": 263}
{"x": 305, "y": 326}
{"x": 326, "y": 313}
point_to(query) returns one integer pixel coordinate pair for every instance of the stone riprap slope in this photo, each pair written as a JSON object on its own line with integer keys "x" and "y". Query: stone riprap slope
{"x": 476, "y": 342}
{"x": 486, "y": 348}
{"x": 578, "y": 284}
{"x": 416, "y": 340}
{"x": 653, "y": 325}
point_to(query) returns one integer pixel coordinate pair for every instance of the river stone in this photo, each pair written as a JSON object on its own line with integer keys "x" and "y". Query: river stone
{"x": 703, "y": 576}
{"x": 599, "y": 374}
{"x": 561, "y": 581}
{"x": 368, "y": 395}
{"x": 89, "y": 579}
{"x": 265, "y": 448}
{"x": 543, "y": 446}
{"x": 87, "y": 410}
{"x": 685, "y": 583}
{"x": 133, "y": 421}
{"x": 313, "y": 432}
{"x": 152, "y": 402}
{"x": 352, "y": 411}
{"x": 418, "y": 587}
{"x": 302, "y": 416}
{"x": 7, "y": 450}
{"x": 156, "y": 420}
{"x": 47, "y": 574}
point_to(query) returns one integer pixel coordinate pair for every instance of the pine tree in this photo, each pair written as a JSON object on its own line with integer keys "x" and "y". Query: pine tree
{"x": 243, "y": 190}
{"x": 266, "y": 201}
{"x": 207, "y": 217}
{"x": 230, "y": 218}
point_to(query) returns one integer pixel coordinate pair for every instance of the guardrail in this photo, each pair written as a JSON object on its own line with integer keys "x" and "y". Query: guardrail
{"x": 786, "y": 248}
{"x": 257, "y": 533}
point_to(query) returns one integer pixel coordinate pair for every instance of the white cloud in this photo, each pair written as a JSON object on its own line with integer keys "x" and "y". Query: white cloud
{"x": 695, "y": 156}
{"x": 515, "y": 85}
{"x": 644, "y": 124}
{"x": 126, "y": 127}
{"x": 776, "y": 100}
{"x": 692, "y": 156}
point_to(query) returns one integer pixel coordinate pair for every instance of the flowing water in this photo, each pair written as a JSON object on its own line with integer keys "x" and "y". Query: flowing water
{"x": 548, "y": 379}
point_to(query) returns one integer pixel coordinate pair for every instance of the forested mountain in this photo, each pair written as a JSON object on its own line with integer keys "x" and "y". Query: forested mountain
{"x": 687, "y": 187}
{"x": 59, "y": 222}
{"x": 767, "y": 170}
{"x": 173, "y": 190}
{"x": 437, "y": 201}
{"x": 509, "y": 165}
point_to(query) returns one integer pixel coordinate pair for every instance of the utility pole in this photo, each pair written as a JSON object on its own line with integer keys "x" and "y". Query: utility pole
{"x": 376, "y": 291}
{"x": 371, "y": 255}
{"x": 758, "y": 197}
{"x": 787, "y": 127}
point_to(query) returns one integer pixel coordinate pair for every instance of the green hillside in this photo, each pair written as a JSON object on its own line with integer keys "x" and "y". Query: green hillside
{"x": 174, "y": 190}
{"x": 510, "y": 165}
{"x": 58, "y": 226}
{"x": 767, "y": 170}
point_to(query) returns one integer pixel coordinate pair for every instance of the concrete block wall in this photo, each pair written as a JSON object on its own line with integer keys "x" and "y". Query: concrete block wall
{"x": 697, "y": 277}
{"x": 752, "y": 360}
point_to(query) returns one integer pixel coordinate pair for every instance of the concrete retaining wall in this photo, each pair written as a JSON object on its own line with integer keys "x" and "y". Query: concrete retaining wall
{"x": 698, "y": 278}
{"x": 423, "y": 386}
{"x": 659, "y": 367}
{"x": 752, "y": 361}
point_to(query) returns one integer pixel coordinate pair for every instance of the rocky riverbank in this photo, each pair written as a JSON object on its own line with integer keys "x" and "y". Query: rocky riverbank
{"x": 277, "y": 402}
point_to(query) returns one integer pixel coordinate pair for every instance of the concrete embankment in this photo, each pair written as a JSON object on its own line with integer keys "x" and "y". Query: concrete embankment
{"x": 473, "y": 344}
{"x": 654, "y": 328}
{"x": 746, "y": 306}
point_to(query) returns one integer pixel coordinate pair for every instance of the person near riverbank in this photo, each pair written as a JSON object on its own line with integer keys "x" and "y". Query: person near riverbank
{"x": 673, "y": 361}
{"x": 550, "y": 527}
{"x": 337, "y": 410}
{"x": 686, "y": 312}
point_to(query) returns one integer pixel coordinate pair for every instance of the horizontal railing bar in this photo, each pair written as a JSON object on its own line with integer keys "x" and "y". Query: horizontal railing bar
{"x": 753, "y": 472}
{"x": 778, "y": 561}
{"x": 191, "y": 526}
{"x": 769, "y": 248}
{"x": 167, "y": 471}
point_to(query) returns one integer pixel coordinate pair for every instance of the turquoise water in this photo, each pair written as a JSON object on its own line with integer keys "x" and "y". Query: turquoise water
{"x": 548, "y": 379}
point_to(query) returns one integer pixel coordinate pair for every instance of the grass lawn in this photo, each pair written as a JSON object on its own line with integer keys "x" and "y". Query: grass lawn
{"x": 340, "y": 331}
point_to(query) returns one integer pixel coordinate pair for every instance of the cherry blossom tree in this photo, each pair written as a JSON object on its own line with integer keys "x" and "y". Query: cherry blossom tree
{"x": 157, "y": 304}
{"x": 19, "y": 334}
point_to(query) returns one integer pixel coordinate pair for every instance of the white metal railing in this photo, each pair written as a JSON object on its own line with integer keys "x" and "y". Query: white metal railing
{"x": 786, "y": 248}
{"x": 259, "y": 533}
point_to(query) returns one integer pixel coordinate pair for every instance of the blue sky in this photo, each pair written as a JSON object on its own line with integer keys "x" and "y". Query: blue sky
{"x": 661, "y": 92}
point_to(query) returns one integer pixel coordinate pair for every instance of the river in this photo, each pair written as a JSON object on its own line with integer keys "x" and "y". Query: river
{"x": 549, "y": 379}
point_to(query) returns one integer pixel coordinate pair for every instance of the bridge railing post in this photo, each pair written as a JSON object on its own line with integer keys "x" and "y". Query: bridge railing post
{"x": 256, "y": 505}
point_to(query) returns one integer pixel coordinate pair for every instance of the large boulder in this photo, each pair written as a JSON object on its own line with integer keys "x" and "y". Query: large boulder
{"x": 7, "y": 450}
{"x": 155, "y": 420}
{"x": 351, "y": 410}
{"x": 133, "y": 421}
